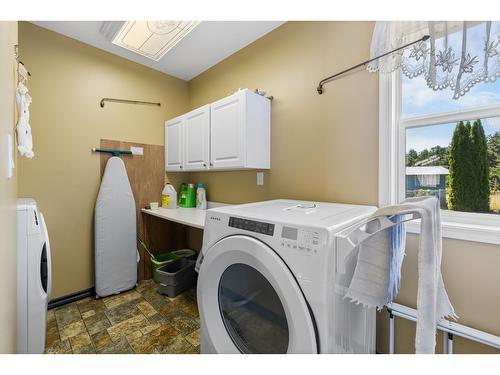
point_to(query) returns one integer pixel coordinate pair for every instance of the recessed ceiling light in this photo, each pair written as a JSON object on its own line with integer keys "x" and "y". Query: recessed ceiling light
{"x": 152, "y": 39}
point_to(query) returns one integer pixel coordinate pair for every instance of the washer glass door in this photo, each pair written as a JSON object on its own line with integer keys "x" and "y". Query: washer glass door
{"x": 249, "y": 306}
{"x": 250, "y": 302}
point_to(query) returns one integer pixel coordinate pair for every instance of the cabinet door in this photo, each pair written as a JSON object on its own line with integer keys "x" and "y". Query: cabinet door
{"x": 227, "y": 132}
{"x": 197, "y": 139}
{"x": 173, "y": 144}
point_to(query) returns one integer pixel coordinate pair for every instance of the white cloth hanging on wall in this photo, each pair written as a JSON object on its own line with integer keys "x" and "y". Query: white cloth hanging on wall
{"x": 24, "y": 137}
{"x": 457, "y": 56}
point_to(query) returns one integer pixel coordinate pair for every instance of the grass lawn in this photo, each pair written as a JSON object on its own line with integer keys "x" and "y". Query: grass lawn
{"x": 495, "y": 202}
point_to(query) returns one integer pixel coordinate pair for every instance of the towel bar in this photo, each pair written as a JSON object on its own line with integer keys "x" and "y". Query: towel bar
{"x": 101, "y": 103}
{"x": 449, "y": 329}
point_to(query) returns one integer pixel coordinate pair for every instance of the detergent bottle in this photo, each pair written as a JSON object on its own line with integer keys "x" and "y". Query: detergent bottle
{"x": 201, "y": 197}
{"x": 169, "y": 197}
{"x": 190, "y": 196}
{"x": 183, "y": 195}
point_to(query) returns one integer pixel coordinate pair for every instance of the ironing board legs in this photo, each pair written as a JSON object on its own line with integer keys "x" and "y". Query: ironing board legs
{"x": 391, "y": 332}
{"x": 450, "y": 343}
{"x": 445, "y": 342}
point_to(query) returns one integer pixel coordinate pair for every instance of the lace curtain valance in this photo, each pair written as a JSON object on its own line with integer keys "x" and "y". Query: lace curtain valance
{"x": 456, "y": 56}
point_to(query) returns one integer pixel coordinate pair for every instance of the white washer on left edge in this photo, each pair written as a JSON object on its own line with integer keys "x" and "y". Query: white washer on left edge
{"x": 34, "y": 277}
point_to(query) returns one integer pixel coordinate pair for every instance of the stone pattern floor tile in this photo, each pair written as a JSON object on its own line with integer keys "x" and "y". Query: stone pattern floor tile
{"x": 97, "y": 323}
{"x": 81, "y": 344}
{"x": 52, "y": 335}
{"x": 122, "y": 312}
{"x": 61, "y": 347}
{"x": 138, "y": 321}
{"x": 72, "y": 329}
{"x": 194, "y": 338}
{"x": 127, "y": 327}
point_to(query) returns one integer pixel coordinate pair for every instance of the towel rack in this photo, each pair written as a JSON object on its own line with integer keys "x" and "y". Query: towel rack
{"x": 127, "y": 101}
{"x": 113, "y": 152}
{"x": 449, "y": 329}
{"x": 354, "y": 236}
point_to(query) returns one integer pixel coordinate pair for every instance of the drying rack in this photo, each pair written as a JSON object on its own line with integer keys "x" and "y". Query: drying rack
{"x": 354, "y": 236}
{"x": 448, "y": 328}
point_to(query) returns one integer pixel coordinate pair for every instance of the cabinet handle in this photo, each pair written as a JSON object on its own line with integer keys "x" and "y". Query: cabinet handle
{"x": 211, "y": 165}
{"x": 180, "y": 166}
{"x": 205, "y": 164}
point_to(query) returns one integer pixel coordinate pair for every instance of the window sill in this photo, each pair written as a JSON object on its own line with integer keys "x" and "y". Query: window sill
{"x": 466, "y": 226}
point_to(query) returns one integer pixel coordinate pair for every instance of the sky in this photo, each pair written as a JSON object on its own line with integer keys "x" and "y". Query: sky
{"x": 418, "y": 99}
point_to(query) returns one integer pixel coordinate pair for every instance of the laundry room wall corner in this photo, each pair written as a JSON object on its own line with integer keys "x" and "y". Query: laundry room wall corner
{"x": 8, "y": 194}
{"x": 69, "y": 78}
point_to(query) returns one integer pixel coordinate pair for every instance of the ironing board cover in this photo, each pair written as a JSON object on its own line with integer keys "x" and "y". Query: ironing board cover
{"x": 115, "y": 232}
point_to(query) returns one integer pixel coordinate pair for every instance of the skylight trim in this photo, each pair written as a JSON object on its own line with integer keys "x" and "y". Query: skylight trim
{"x": 171, "y": 39}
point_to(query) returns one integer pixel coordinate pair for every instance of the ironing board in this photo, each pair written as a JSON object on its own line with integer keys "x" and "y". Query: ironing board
{"x": 115, "y": 232}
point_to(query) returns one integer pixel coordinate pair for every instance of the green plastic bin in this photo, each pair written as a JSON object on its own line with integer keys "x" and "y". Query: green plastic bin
{"x": 165, "y": 258}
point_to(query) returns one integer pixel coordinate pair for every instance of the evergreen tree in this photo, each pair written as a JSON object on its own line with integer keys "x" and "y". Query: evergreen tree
{"x": 494, "y": 160}
{"x": 460, "y": 179}
{"x": 442, "y": 153}
{"x": 411, "y": 158}
{"x": 479, "y": 160}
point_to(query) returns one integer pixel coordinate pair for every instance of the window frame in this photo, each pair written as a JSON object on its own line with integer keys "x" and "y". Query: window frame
{"x": 477, "y": 227}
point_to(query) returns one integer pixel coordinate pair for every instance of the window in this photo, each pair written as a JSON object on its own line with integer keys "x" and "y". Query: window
{"x": 417, "y": 127}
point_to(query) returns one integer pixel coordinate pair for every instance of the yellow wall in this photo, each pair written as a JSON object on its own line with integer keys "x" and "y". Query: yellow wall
{"x": 319, "y": 143}
{"x": 8, "y": 264}
{"x": 471, "y": 277}
{"x": 69, "y": 79}
{"x": 326, "y": 148}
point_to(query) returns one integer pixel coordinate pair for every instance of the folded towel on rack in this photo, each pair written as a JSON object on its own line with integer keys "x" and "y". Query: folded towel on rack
{"x": 377, "y": 271}
{"x": 396, "y": 255}
{"x": 375, "y": 281}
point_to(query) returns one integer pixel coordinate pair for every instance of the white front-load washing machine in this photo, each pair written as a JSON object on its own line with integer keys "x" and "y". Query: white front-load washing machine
{"x": 33, "y": 277}
{"x": 269, "y": 280}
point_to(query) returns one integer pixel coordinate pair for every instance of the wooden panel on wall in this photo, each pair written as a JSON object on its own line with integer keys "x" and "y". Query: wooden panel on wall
{"x": 146, "y": 174}
{"x": 161, "y": 236}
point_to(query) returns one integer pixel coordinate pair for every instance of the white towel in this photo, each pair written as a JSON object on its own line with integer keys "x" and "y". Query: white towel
{"x": 370, "y": 283}
{"x": 24, "y": 137}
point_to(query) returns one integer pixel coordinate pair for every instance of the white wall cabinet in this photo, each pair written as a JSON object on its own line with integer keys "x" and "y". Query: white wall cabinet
{"x": 174, "y": 158}
{"x": 231, "y": 133}
{"x": 197, "y": 139}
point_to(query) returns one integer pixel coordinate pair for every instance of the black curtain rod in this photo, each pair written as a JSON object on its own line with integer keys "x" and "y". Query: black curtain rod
{"x": 327, "y": 79}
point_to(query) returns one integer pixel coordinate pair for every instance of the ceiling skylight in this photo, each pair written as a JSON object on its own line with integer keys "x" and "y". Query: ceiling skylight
{"x": 152, "y": 39}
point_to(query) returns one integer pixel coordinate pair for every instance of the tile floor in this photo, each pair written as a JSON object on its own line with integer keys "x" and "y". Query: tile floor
{"x": 138, "y": 321}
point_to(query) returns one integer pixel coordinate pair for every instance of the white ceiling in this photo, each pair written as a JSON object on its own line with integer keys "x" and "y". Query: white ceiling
{"x": 209, "y": 43}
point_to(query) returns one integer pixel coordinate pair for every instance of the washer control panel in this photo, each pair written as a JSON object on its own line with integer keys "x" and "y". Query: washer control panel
{"x": 304, "y": 240}
{"x": 252, "y": 226}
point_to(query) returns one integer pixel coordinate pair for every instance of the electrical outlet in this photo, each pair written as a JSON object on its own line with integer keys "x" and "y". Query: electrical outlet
{"x": 260, "y": 178}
